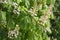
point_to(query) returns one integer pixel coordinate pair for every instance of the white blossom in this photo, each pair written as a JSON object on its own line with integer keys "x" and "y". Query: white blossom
{"x": 14, "y": 11}
{"x": 14, "y": 33}
{"x": 3, "y": 1}
{"x": 15, "y": 5}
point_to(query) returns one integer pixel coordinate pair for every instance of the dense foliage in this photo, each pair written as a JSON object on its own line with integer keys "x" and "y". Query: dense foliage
{"x": 29, "y": 20}
{"x": 56, "y": 22}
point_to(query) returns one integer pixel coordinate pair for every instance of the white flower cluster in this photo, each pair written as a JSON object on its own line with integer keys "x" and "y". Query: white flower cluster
{"x": 16, "y": 8}
{"x": 34, "y": 9}
{"x": 45, "y": 17}
{"x": 16, "y": 11}
{"x": 3, "y": 1}
{"x": 14, "y": 4}
{"x": 33, "y": 12}
{"x": 14, "y": 33}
